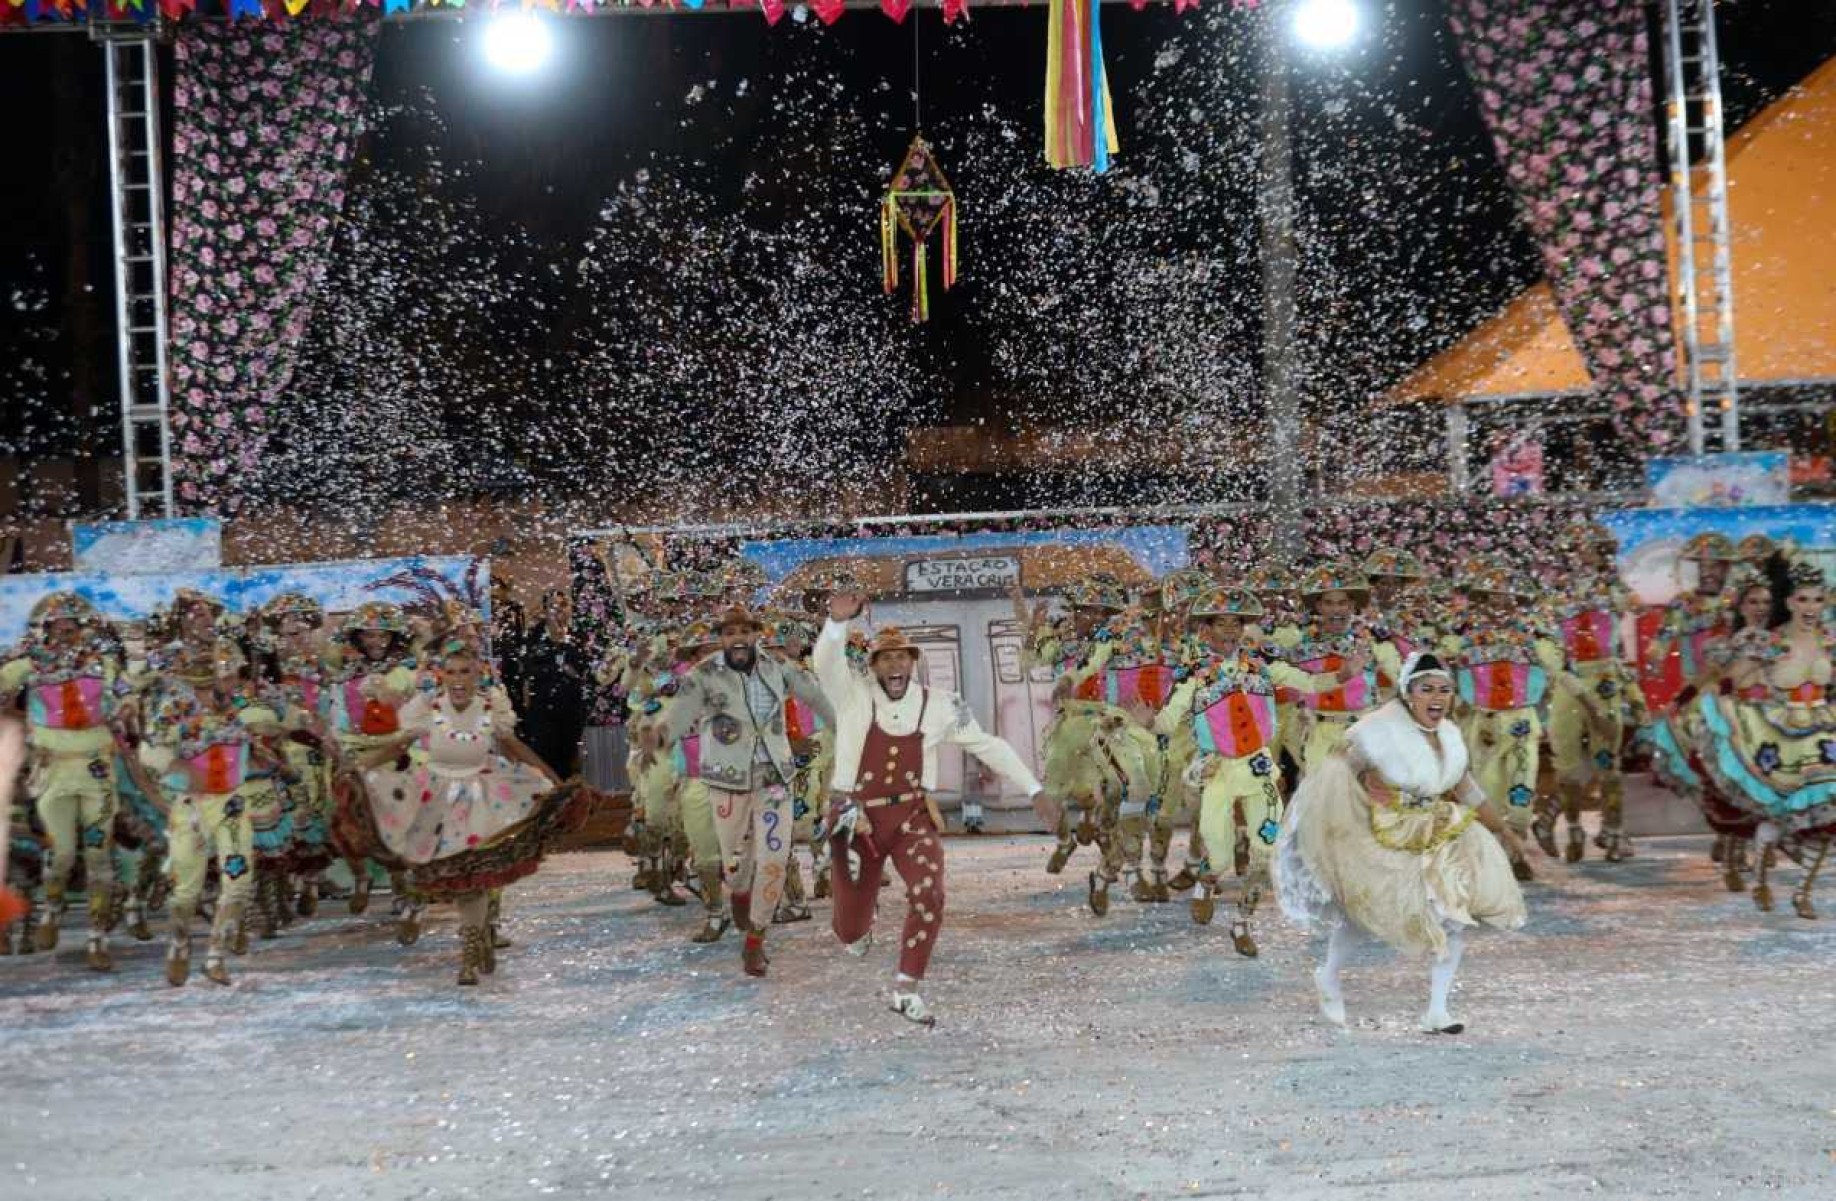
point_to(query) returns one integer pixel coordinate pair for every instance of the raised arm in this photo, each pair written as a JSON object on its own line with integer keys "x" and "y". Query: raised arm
{"x": 830, "y": 656}
{"x": 994, "y": 752}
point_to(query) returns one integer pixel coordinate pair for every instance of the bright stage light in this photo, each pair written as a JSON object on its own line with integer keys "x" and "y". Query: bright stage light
{"x": 1326, "y": 24}
{"x": 517, "y": 43}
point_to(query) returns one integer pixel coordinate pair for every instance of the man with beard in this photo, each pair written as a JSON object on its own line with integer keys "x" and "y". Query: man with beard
{"x": 735, "y": 701}
{"x": 887, "y": 730}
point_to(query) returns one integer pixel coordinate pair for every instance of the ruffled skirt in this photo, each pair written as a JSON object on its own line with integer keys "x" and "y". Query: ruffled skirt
{"x": 1776, "y": 762}
{"x": 1398, "y": 872}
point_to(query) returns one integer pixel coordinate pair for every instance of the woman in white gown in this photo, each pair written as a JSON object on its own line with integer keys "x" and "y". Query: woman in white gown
{"x": 1393, "y": 835}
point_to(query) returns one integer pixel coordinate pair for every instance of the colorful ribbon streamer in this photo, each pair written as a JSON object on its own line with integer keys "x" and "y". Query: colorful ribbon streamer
{"x": 1080, "y": 124}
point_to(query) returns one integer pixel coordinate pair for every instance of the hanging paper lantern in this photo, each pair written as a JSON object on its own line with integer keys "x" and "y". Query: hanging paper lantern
{"x": 918, "y": 202}
{"x": 1080, "y": 127}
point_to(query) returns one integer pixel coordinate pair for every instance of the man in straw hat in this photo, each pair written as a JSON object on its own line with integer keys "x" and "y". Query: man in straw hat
{"x": 1505, "y": 665}
{"x": 735, "y": 700}
{"x": 1586, "y": 728}
{"x": 887, "y": 731}
{"x": 71, "y": 679}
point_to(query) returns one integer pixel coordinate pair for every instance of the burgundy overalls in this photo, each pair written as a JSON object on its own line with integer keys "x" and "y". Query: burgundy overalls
{"x": 889, "y": 788}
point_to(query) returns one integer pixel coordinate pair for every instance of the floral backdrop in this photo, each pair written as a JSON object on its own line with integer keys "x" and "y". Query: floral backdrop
{"x": 1565, "y": 90}
{"x": 266, "y": 116}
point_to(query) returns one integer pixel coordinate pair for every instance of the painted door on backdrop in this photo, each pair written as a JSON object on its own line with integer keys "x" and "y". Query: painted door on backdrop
{"x": 1022, "y": 698}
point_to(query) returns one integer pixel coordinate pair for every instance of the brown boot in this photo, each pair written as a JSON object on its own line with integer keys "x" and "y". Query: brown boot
{"x": 1183, "y": 880}
{"x": 823, "y": 889}
{"x": 1099, "y": 894}
{"x": 1577, "y": 844}
{"x": 471, "y": 954}
{"x": 1205, "y": 902}
{"x": 1061, "y": 855}
{"x": 714, "y": 915}
{"x": 138, "y": 929}
{"x": 214, "y": 969}
{"x": 97, "y": 954}
{"x": 1142, "y": 890}
{"x": 752, "y": 954}
{"x": 1242, "y": 939}
{"x": 360, "y": 890}
{"x": 178, "y": 962}
{"x": 48, "y": 921}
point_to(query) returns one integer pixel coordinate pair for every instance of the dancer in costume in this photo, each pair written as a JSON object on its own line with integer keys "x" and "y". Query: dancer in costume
{"x": 1075, "y": 765}
{"x": 294, "y": 663}
{"x": 679, "y": 827}
{"x": 1179, "y": 799}
{"x": 463, "y": 803}
{"x": 811, "y": 730}
{"x": 215, "y": 732}
{"x": 887, "y": 731}
{"x": 1586, "y": 727}
{"x": 1393, "y": 835}
{"x": 371, "y": 675}
{"x": 1333, "y": 636}
{"x": 1275, "y": 589}
{"x": 1677, "y": 737}
{"x": 1696, "y": 617}
{"x": 1505, "y": 662}
{"x": 1398, "y": 612}
{"x": 72, "y": 679}
{"x": 735, "y": 701}
{"x": 1225, "y": 705}
{"x": 1769, "y": 742}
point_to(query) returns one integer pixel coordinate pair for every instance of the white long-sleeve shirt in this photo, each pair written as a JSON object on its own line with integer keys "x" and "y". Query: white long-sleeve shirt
{"x": 859, "y": 699}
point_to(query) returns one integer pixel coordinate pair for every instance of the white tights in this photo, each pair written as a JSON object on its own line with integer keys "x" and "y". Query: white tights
{"x": 1440, "y": 972}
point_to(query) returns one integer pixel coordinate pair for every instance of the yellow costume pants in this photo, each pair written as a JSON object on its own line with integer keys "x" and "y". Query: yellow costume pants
{"x": 1503, "y": 745}
{"x": 76, "y": 803}
{"x": 205, "y": 825}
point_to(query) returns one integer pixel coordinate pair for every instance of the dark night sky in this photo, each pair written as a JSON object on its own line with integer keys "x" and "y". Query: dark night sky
{"x": 1406, "y": 231}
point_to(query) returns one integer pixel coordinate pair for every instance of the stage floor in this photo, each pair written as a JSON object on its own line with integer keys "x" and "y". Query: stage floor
{"x": 1649, "y": 1035}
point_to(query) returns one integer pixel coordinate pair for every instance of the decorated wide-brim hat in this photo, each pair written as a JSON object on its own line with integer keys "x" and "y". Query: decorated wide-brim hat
{"x": 737, "y": 615}
{"x": 696, "y": 635}
{"x": 1099, "y": 590}
{"x": 1392, "y": 564}
{"x": 185, "y": 598}
{"x": 1268, "y": 580}
{"x": 889, "y": 640}
{"x": 1584, "y": 534}
{"x": 1227, "y": 602}
{"x": 1335, "y": 577}
{"x": 1709, "y": 547}
{"x": 782, "y": 628}
{"x": 1180, "y": 588}
{"x": 63, "y": 606}
{"x": 293, "y": 604}
{"x": 1755, "y": 548}
{"x": 1500, "y": 580}
{"x": 380, "y": 616}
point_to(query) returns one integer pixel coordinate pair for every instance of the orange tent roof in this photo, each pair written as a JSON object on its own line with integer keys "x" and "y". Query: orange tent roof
{"x": 1781, "y": 208}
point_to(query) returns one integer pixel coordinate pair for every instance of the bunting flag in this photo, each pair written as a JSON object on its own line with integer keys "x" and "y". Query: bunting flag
{"x": 919, "y": 202}
{"x": 1080, "y": 128}
{"x": 15, "y": 12}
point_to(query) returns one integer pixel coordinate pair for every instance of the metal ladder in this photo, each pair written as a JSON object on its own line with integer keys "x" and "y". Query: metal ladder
{"x": 1704, "y": 285}
{"x": 136, "y": 167}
